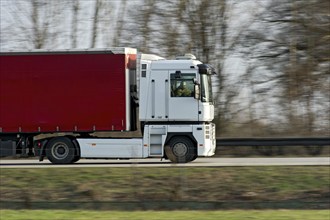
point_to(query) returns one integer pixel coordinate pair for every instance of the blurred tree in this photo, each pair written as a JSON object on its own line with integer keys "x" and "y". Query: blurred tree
{"x": 74, "y": 25}
{"x": 33, "y": 23}
{"x": 36, "y": 24}
{"x": 95, "y": 22}
{"x": 196, "y": 26}
{"x": 120, "y": 23}
{"x": 140, "y": 27}
{"x": 284, "y": 44}
{"x": 292, "y": 41}
{"x": 100, "y": 28}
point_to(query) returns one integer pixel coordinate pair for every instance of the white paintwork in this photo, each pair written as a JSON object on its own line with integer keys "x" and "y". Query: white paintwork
{"x": 205, "y": 146}
{"x": 156, "y": 103}
{"x": 183, "y": 109}
{"x": 128, "y": 99}
{"x": 206, "y": 140}
{"x": 175, "y": 64}
{"x": 154, "y": 140}
{"x": 207, "y": 111}
{"x": 110, "y": 148}
{"x": 152, "y": 144}
{"x": 187, "y": 56}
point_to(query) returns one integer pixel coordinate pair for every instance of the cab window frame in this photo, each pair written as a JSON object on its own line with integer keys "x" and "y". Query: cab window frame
{"x": 176, "y": 83}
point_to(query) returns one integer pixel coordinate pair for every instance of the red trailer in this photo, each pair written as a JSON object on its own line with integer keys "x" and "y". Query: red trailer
{"x": 66, "y": 91}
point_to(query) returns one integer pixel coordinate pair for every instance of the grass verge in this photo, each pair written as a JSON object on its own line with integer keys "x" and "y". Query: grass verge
{"x": 162, "y": 215}
{"x": 294, "y": 187}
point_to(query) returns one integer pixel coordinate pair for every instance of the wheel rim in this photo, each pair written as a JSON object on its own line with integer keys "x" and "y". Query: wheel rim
{"x": 180, "y": 149}
{"x": 60, "y": 151}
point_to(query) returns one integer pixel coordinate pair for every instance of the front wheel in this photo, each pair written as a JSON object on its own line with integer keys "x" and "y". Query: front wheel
{"x": 60, "y": 150}
{"x": 181, "y": 149}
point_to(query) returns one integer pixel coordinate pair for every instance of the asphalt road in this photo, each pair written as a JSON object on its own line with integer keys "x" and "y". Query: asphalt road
{"x": 199, "y": 162}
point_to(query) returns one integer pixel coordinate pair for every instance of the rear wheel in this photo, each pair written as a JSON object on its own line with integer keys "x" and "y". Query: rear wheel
{"x": 181, "y": 149}
{"x": 60, "y": 150}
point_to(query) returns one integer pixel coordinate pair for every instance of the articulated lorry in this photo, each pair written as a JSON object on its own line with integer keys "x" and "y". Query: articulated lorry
{"x": 55, "y": 103}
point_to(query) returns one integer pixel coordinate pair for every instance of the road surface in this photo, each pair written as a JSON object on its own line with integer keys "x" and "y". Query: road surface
{"x": 199, "y": 162}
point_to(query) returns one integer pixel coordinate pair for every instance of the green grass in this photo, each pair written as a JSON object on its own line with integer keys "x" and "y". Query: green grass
{"x": 227, "y": 185}
{"x": 162, "y": 215}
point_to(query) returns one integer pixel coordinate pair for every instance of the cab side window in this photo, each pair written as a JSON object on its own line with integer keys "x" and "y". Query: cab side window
{"x": 182, "y": 85}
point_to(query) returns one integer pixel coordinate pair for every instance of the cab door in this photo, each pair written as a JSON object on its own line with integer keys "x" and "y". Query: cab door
{"x": 182, "y": 105}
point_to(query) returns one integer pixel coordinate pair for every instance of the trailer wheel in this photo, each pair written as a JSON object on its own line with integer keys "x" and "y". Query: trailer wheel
{"x": 60, "y": 150}
{"x": 181, "y": 149}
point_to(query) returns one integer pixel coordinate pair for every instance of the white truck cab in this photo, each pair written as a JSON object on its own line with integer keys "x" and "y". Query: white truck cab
{"x": 175, "y": 91}
{"x": 176, "y": 107}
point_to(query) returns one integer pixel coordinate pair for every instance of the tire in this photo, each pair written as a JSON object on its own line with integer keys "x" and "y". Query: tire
{"x": 76, "y": 158}
{"x": 181, "y": 149}
{"x": 60, "y": 150}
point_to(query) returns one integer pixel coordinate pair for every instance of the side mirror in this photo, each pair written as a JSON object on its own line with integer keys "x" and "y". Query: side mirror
{"x": 197, "y": 91}
{"x": 206, "y": 69}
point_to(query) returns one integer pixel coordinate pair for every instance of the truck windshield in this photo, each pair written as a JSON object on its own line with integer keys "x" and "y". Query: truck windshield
{"x": 206, "y": 88}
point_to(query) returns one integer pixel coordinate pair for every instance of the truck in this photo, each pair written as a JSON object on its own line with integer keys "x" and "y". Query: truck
{"x": 54, "y": 104}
